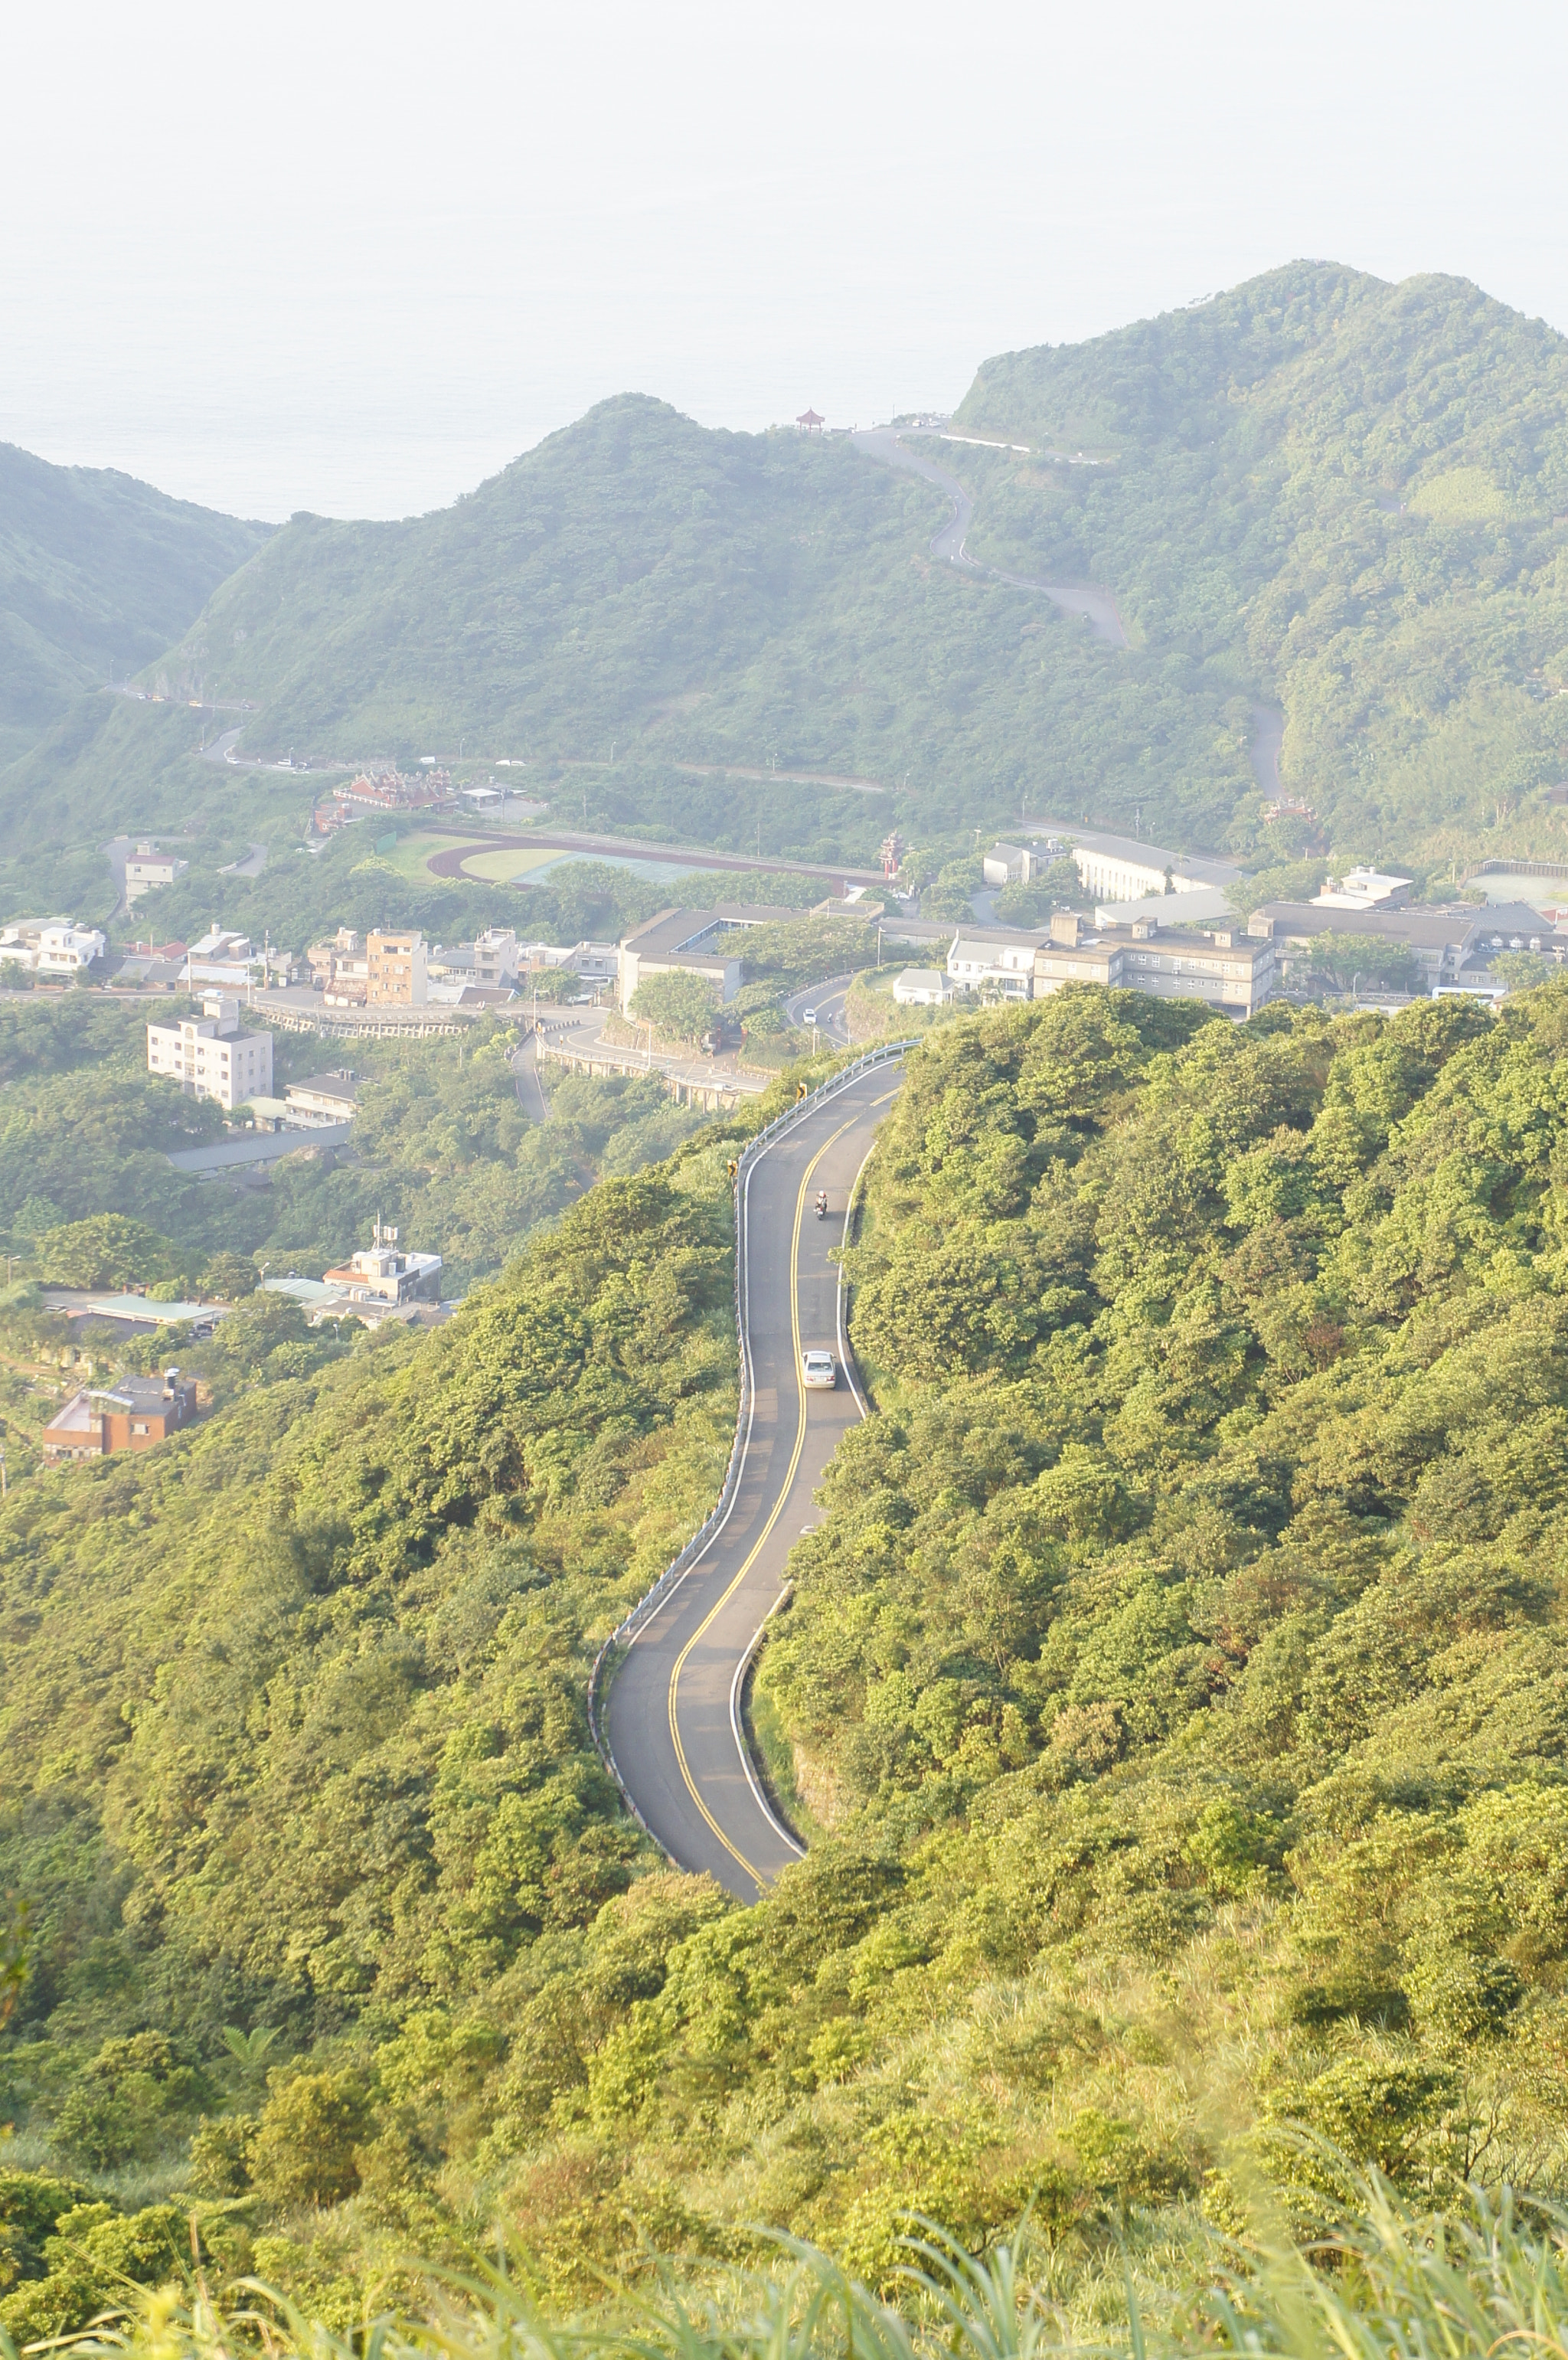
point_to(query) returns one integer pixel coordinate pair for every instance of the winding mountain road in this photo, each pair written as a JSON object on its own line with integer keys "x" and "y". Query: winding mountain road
{"x": 1097, "y": 607}
{"x": 674, "y": 1722}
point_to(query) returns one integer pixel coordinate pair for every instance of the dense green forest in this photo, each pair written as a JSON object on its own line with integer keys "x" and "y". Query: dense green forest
{"x": 1351, "y": 496}
{"x": 98, "y": 574}
{"x": 1172, "y": 1691}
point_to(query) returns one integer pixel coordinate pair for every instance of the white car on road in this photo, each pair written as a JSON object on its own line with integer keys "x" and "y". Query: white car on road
{"x": 816, "y": 1369}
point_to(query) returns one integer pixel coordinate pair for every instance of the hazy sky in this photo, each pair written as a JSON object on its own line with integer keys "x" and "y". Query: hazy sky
{"x": 353, "y": 259}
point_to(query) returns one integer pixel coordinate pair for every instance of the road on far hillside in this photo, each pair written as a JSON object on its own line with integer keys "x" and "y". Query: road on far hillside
{"x": 1097, "y": 607}
{"x": 675, "y": 1719}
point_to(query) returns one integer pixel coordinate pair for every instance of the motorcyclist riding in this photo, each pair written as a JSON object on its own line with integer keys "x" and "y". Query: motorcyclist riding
{"x": 822, "y": 1204}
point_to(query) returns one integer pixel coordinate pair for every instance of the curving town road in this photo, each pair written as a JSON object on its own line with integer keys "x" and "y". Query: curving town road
{"x": 675, "y": 1706}
{"x": 1097, "y": 607}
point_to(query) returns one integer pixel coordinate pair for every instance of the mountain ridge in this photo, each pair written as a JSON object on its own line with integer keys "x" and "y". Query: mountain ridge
{"x": 96, "y": 569}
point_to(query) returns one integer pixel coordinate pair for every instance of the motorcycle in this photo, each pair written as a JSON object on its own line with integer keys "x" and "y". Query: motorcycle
{"x": 822, "y": 1204}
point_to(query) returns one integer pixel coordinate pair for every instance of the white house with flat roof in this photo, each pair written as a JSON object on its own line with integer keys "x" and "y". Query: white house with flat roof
{"x": 54, "y": 946}
{"x": 1001, "y": 963}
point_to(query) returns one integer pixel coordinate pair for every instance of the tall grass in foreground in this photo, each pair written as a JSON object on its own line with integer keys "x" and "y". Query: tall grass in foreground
{"x": 1389, "y": 2284}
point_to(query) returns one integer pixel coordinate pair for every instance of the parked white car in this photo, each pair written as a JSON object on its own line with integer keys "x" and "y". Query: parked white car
{"x": 816, "y": 1369}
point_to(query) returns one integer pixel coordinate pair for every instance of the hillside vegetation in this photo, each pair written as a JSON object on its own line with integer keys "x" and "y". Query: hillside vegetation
{"x": 1351, "y": 497}
{"x": 640, "y": 581}
{"x": 97, "y": 572}
{"x": 1173, "y": 1690}
{"x": 1319, "y": 490}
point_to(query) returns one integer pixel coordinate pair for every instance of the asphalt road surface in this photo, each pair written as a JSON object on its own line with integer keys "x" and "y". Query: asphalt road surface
{"x": 827, "y": 1000}
{"x": 1097, "y": 607}
{"x": 674, "y": 1707}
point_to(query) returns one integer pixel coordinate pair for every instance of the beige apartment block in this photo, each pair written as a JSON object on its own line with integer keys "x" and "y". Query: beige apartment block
{"x": 210, "y": 1057}
{"x": 397, "y": 971}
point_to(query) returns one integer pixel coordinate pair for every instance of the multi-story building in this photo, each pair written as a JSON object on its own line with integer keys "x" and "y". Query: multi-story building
{"x": 132, "y": 1413}
{"x": 53, "y": 947}
{"x": 495, "y": 957}
{"x": 379, "y": 1274}
{"x": 673, "y": 943}
{"x": 210, "y": 1057}
{"x": 593, "y": 963}
{"x": 1122, "y": 868}
{"x": 1451, "y": 949}
{"x": 1015, "y": 864}
{"x": 397, "y": 970}
{"x": 1224, "y": 967}
{"x": 147, "y": 866}
{"x": 322, "y": 1099}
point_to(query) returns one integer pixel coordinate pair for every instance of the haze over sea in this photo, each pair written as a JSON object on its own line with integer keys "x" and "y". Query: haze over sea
{"x": 354, "y": 262}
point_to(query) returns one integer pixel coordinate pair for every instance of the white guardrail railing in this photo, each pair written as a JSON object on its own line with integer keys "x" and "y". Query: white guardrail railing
{"x": 626, "y": 1631}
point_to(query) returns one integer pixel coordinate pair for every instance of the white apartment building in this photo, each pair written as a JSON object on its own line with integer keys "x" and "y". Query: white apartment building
{"x": 210, "y": 1057}
{"x": 147, "y": 866}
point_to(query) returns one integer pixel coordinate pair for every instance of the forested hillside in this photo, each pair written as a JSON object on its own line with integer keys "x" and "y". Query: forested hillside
{"x": 1173, "y": 1690}
{"x": 1318, "y": 490}
{"x": 97, "y": 572}
{"x": 640, "y": 581}
{"x": 1350, "y": 495}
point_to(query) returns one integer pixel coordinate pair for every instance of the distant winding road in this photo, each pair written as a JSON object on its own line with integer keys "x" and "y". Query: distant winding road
{"x": 675, "y": 1721}
{"x": 1097, "y": 607}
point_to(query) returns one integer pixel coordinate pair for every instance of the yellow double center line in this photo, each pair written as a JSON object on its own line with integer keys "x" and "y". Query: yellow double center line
{"x": 773, "y": 1514}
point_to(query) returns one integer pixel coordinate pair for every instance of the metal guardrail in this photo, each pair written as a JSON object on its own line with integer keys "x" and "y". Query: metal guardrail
{"x": 885, "y": 1052}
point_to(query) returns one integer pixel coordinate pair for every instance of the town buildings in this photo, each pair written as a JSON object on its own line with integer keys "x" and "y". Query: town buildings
{"x": 146, "y": 867}
{"x": 210, "y": 1057}
{"x": 1016, "y": 864}
{"x": 594, "y": 964}
{"x": 1229, "y": 969}
{"x": 430, "y": 789}
{"x": 1364, "y": 888}
{"x": 1451, "y": 948}
{"x": 675, "y": 943}
{"x": 397, "y": 970}
{"x": 328, "y": 1098}
{"x": 54, "y": 949}
{"x": 341, "y": 969}
{"x": 376, "y": 1283}
{"x": 1122, "y": 868}
{"x": 232, "y": 962}
{"x": 1000, "y": 961}
{"x": 132, "y": 1413}
{"x": 922, "y": 987}
{"x": 379, "y": 1274}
